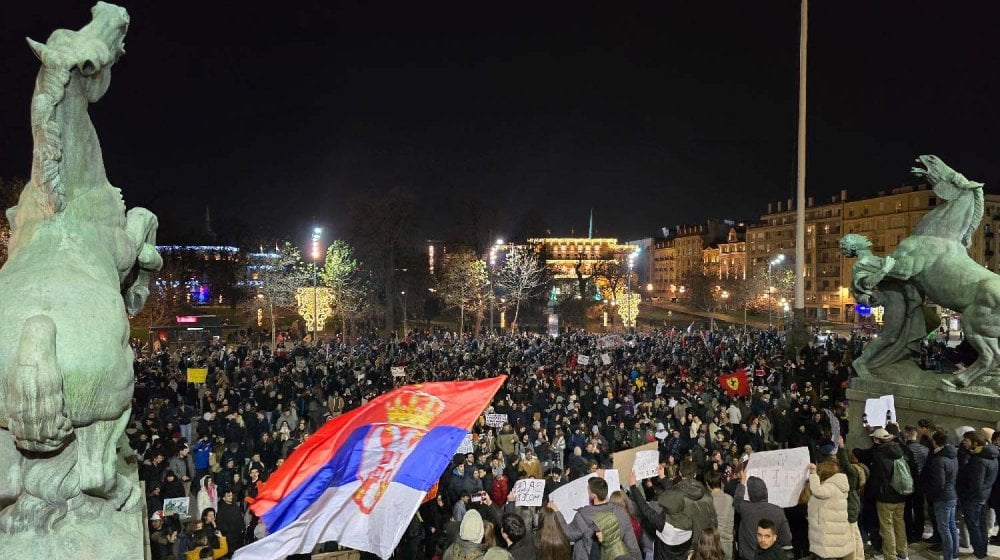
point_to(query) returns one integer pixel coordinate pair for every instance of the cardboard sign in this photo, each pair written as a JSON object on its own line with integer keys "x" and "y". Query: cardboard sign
{"x": 528, "y": 492}
{"x": 624, "y": 460}
{"x": 496, "y": 420}
{"x": 784, "y": 471}
{"x": 877, "y": 409}
{"x": 646, "y": 465}
{"x": 575, "y": 495}
{"x": 609, "y": 341}
{"x": 197, "y": 375}
{"x": 466, "y": 447}
{"x": 176, "y": 506}
{"x": 398, "y": 371}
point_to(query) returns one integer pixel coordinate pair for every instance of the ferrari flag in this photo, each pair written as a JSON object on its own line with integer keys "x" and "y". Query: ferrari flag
{"x": 736, "y": 384}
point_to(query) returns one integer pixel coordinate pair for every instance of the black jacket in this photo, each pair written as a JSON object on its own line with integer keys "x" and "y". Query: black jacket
{"x": 885, "y": 455}
{"x": 975, "y": 479}
{"x": 753, "y": 511}
{"x": 940, "y": 473}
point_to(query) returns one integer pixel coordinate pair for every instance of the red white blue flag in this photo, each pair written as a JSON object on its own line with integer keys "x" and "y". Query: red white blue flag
{"x": 361, "y": 477}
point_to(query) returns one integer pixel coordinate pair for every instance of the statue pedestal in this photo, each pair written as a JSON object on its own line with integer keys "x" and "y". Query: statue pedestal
{"x": 919, "y": 394}
{"x": 117, "y": 535}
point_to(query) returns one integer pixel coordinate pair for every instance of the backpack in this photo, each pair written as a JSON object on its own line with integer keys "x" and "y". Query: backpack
{"x": 901, "y": 480}
{"x": 613, "y": 545}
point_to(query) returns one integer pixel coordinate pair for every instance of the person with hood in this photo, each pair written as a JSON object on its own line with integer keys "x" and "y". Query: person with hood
{"x": 830, "y": 533}
{"x": 698, "y": 502}
{"x": 975, "y": 482}
{"x": 752, "y": 512}
{"x": 208, "y": 495}
{"x": 857, "y": 475}
{"x": 172, "y": 487}
{"x": 671, "y": 529}
{"x": 888, "y": 503}
{"x": 469, "y": 545}
{"x": 940, "y": 474}
{"x": 599, "y": 517}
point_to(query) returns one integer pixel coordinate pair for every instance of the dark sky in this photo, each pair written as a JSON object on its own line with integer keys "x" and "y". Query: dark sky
{"x": 653, "y": 113}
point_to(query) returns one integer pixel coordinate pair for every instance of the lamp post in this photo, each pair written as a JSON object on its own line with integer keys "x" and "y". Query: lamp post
{"x": 403, "y": 293}
{"x": 770, "y": 303}
{"x": 631, "y": 264}
{"x": 316, "y": 234}
{"x": 493, "y": 261}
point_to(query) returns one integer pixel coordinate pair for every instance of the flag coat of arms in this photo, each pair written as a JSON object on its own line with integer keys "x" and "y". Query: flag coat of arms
{"x": 361, "y": 477}
{"x": 735, "y": 384}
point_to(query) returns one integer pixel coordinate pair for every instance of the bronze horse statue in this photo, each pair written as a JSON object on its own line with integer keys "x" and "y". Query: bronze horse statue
{"x": 934, "y": 258}
{"x": 78, "y": 264}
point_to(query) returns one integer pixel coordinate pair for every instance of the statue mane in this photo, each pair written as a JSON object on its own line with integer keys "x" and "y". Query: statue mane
{"x": 959, "y": 216}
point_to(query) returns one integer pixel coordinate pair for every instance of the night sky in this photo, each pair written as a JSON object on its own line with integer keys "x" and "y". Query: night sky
{"x": 652, "y": 113}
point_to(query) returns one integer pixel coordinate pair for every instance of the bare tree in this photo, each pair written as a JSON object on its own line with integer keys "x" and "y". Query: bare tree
{"x": 464, "y": 284}
{"x": 277, "y": 282}
{"x": 522, "y": 274}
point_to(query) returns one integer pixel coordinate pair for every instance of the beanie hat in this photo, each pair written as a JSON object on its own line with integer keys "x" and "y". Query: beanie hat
{"x": 472, "y": 527}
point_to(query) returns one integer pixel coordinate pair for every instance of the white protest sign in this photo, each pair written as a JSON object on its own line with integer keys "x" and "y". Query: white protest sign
{"x": 575, "y": 495}
{"x": 606, "y": 359}
{"x": 659, "y": 386}
{"x": 528, "y": 492}
{"x": 783, "y": 471}
{"x": 583, "y": 360}
{"x": 609, "y": 341}
{"x": 496, "y": 420}
{"x": 466, "y": 446}
{"x": 646, "y": 464}
{"x": 176, "y": 506}
{"x": 877, "y": 409}
{"x": 398, "y": 371}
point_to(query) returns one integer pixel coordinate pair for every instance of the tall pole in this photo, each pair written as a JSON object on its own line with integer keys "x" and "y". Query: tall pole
{"x": 317, "y": 232}
{"x": 770, "y": 303}
{"x": 800, "y": 183}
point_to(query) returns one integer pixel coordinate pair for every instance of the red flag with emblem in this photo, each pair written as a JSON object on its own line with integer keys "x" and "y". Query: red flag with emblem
{"x": 735, "y": 384}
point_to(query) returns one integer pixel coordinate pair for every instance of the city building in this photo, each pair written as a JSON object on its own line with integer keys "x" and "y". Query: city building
{"x": 886, "y": 219}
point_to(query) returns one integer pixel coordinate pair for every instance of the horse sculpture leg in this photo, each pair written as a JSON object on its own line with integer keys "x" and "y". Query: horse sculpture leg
{"x": 97, "y": 449}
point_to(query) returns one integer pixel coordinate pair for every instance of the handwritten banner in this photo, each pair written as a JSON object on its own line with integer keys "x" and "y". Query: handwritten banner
{"x": 496, "y": 420}
{"x": 876, "y": 410}
{"x": 197, "y": 375}
{"x": 646, "y": 465}
{"x": 398, "y": 371}
{"x": 466, "y": 446}
{"x": 528, "y": 492}
{"x": 783, "y": 471}
{"x": 575, "y": 495}
{"x": 609, "y": 341}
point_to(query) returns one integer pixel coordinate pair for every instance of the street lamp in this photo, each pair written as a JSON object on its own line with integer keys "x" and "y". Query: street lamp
{"x": 316, "y": 234}
{"x": 770, "y": 303}
{"x": 403, "y": 293}
{"x": 631, "y": 264}
{"x": 493, "y": 261}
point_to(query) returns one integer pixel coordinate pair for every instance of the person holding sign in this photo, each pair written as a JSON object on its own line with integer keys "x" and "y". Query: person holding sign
{"x": 830, "y": 534}
{"x": 617, "y": 539}
{"x": 755, "y": 510}
{"x": 671, "y": 529}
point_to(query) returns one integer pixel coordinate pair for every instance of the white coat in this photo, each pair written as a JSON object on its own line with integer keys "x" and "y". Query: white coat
{"x": 830, "y": 535}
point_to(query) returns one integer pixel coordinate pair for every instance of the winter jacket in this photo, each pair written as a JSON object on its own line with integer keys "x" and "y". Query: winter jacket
{"x": 670, "y": 529}
{"x": 753, "y": 511}
{"x": 882, "y": 466}
{"x": 182, "y": 466}
{"x": 830, "y": 533}
{"x": 699, "y": 505}
{"x": 975, "y": 479}
{"x": 202, "y": 451}
{"x": 581, "y": 531}
{"x": 726, "y": 515}
{"x": 940, "y": 474}
{"x": 229, "y": 520}
{"x": 854, "y": 482}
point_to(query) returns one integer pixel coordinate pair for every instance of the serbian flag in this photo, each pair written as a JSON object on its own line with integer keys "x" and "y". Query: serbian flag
{"x": 361, "y": 477}
{"x": 736, "y": 383}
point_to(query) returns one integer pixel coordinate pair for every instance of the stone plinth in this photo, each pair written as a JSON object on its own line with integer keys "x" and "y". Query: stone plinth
{"x": 919, "y": 394}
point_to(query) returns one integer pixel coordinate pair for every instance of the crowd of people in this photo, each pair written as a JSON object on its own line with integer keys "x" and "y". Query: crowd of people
{"x": 215, "y": 443}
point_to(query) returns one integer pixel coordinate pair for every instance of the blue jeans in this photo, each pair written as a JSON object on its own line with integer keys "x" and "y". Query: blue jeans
{"x": 975, "y": 522}
{"x": 944, "y": 518}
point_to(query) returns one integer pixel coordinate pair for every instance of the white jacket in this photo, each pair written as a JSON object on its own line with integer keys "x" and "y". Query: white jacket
{"x": 830, "y": 535}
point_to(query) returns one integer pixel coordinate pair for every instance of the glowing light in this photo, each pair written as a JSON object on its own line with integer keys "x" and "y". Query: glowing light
{"x": 323, "y": 298}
